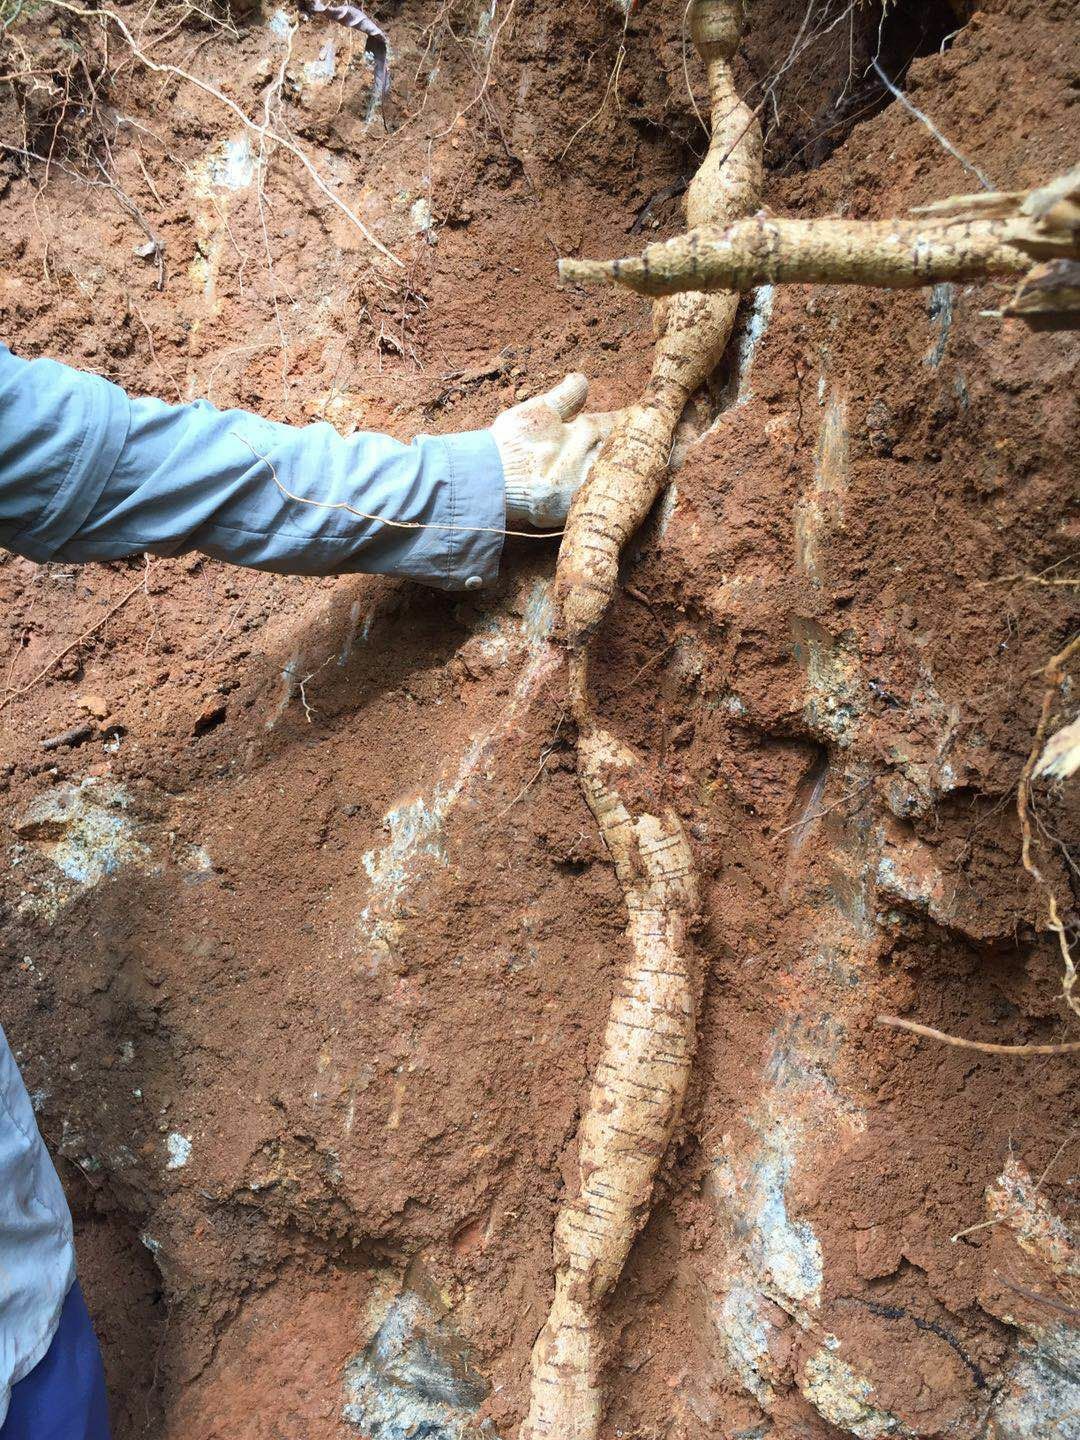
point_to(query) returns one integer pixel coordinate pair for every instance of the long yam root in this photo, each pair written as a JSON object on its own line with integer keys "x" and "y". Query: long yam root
{"x": 637, "y": 1090}
{"x": 894, "y": 254}
{"x": 636, "y": 1094}
{"x": 963, "y": 238}
{"x": 691, "y": 333}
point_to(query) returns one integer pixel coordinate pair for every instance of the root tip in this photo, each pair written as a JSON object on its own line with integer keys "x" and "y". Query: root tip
{"x": 586, "y": 272}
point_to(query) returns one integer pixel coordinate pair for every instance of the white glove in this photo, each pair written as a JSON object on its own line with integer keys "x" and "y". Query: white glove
{"x": 547, "y": 447}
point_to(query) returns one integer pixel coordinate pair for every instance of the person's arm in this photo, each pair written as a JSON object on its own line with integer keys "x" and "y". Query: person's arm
{"x": 89, "y": 473}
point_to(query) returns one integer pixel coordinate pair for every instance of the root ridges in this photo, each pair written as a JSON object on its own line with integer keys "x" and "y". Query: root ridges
{"x": 966, "y": 237}
{"x": 691, "y": 329}
{"x": 641, "y": 1078}
{"x": 638, "y": 1087}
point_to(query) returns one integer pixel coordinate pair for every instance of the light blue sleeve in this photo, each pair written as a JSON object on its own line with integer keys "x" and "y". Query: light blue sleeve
{"x": 37, "y": 1252}
{"x": 89, "y": 473}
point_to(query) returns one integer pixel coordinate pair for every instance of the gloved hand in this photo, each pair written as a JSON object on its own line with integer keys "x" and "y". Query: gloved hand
{"x": 547, "y": 446}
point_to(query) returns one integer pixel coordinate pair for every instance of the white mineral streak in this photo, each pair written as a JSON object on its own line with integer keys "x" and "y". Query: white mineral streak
{"x": 820, "y": 510}
{"x": 844, "y": 1398}
{"x": 226, "y": 170}
{"x": 692, "y": 427}
{"x": 757, "y": 322}
{"x": 87, "y": 835}
{"x": 769, "y": 1262}
{"x": 1041, "y": 1400}
{"x": 416, "y": 825}
{"x": 179, "y": 1150}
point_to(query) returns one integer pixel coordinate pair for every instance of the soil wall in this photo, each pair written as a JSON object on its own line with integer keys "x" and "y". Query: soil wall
{"x": 307, "y": 950}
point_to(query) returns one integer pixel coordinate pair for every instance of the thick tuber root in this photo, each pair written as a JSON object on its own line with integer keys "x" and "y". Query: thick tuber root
{"x": 637, "y": 1091}
{"x": 965, "y": 238}
{"x": 691, "y": 333}
{"x": 640, "y": 1082}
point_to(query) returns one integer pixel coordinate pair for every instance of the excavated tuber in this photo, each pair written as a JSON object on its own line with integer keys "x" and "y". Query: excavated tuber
{"x": 640, "y": 1080}
{"x": 967, "y": 237}
{"x": 636, "y": 1094}
{"x": 691, "y": 333}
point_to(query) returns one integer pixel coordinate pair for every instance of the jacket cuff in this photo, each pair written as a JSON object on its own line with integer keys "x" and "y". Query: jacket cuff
{"x": 477, "y": 510}
{"x": 94, "y": 415}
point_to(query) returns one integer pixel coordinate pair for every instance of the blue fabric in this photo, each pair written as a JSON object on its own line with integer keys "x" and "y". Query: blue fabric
{"x": 63, "y": 1397}
{"x": 37, "y": 1254}
{"x": 90, "y": 473}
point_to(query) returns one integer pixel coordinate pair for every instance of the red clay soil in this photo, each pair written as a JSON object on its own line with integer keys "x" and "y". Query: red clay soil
{"x": 286, "y": 1081}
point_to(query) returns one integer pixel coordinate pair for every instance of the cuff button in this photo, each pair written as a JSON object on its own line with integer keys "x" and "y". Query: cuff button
{"x": 473, "y": 582}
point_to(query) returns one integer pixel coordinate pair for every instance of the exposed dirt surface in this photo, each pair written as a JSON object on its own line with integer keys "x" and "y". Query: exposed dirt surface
{"x": 308, "y": 949}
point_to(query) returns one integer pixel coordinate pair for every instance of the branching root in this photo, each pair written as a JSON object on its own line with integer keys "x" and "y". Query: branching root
{"x": 640, "y": 1081}
{"x": 691, "y": 332}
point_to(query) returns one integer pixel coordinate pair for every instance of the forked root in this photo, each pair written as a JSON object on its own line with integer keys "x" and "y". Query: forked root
{"x": 637, "y": 1091}
{"x": 691, "y": 333}
{"x": 639, "y": 1085}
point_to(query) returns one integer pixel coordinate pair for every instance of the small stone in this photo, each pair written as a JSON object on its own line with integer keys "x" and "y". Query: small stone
{"x": 179, "y": 1150}
{"x": 95, "y": 705}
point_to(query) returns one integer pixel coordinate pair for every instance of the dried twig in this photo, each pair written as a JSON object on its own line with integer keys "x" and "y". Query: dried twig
{"x": 653, "y": 659}
{"x": 155, "y": 246}
{"x": 485, "y": 81}
{"x": 924, "y": 119}
{"x": 309, "y": 710}
{"x": 76, "y": 735}
{"x": 545, "y": 756}
{"x": 999, "y": 1219}
{"x": 1068, "y": 980}
{"x": 612, "y": 86}
{"x": 1037, "y": 1299}
{"x": 1040, "y": 577}
{"x": 819, "y": 814}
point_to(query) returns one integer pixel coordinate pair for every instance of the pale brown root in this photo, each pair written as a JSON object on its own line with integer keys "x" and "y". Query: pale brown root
{"x": 140, "y": 584}
{"x": 637, "y": 1090}
{"x": 691, "y": 333}
{"x": 987, "y": 1047}
{"x": 1054, "y": 673}
{"x": 892, "y": 254}
{"x": 1048, "y": 297}
{"x": 566, "y": 1399}
{"x": 644, "y": 1066}
{"x": 965, "y": 238}
{"x": 640, "y": 1081}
